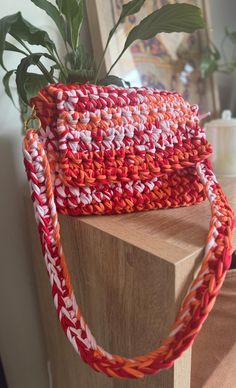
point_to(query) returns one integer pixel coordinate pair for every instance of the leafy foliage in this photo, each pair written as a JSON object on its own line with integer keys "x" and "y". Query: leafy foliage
{"x": 128, "y": 9}
{"x": 5, "y": 81}
{"x": 114, "y": 80}
{"x": 78, "y": 65}
{"x": 54, "y": 14}
{"x": 22, "y": 30}
{"x": 231, "y": 35}
{"x": 212, "y": 60}
{"x": 73, "y": 13}
{"x": 209, "y": 61}
{"x": 169, "y": 18}
{"x": 26, "y": 82}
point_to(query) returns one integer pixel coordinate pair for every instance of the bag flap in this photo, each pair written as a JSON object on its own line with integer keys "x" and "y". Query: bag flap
{"x": 107, "y": 134}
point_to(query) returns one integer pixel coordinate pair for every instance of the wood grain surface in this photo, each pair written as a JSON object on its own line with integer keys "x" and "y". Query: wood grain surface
{"x": 130, "y": 274}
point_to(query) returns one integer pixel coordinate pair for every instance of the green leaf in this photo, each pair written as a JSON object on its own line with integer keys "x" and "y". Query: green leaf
{"x": 29, "y": 83}
{"x": 74, "y": 14}
{"x": 20, "y": 29}
{"x": 54, "y": 14}
{"x": 131, "y": 8}
{"x": 208, "y": 64}
{"x": 61, "y": 78}
{"x": 231, "y": 35}
{"x": 11, "y": 47}
{"x": 54, "y": 67}
{"x": 5, "y": 81}
{"x": 209, "y": 61}
{"x": 25, "y": 113}
{"x": 226, "y": 30}
{"x": 128, "y": 9}
{"x": 113, "y": 80}
{"x": 5, "y": 25}
{"x": 33, "y": 83}
{"x": 169, "y": 18}
{"x": 59, "y": 4}
{"x": 25, "y": 31}
{"x": 215, "y": 52}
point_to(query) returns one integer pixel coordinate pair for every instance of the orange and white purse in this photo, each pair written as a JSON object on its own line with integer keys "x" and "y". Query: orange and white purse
{"x": 109, "y": 150}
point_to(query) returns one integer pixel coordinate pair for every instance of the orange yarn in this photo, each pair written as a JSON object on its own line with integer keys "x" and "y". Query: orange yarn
{"x": 106, "y": 150}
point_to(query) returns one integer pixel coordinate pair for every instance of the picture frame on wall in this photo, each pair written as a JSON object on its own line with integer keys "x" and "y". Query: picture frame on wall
{"x": 165, "y": 62}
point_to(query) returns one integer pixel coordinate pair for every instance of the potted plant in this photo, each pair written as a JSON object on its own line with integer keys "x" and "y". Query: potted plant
{"x": 77, "y": 65}
{"x": 213, "y": 60}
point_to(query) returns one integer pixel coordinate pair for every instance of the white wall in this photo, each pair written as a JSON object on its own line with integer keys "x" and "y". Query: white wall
{"x": 21, "y": 344}
{"x": 223, "y": 14}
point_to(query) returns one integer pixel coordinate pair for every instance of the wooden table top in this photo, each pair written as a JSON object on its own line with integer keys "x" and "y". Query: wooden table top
{"x": 171, "y": 234}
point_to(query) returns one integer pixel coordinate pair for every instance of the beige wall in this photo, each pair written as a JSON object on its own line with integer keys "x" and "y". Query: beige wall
{"x": 223, "y": 14}
{"x": 20, "y": 331}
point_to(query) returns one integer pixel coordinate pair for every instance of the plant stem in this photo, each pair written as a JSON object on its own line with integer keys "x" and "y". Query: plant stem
{"x": 101, "y": 61}
{"x": 233, "y": 53}
{"x": 41, "y": 67}
{"x": 105, "y": 50}
{"x": 64, "y": 40}
{"x": 222, "y": 48}
{"x": 59, "y": 63}
{"x": 122, "y": 52}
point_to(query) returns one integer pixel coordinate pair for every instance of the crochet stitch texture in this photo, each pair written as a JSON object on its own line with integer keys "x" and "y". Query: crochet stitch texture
{"x": 111, "y": 150}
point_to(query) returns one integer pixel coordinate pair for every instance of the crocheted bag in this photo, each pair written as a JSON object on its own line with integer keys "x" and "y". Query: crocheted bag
{"x": 109, "y": 150}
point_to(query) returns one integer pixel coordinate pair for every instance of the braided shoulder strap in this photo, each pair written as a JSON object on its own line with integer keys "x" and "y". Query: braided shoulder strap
{"x": 195, "y": 307}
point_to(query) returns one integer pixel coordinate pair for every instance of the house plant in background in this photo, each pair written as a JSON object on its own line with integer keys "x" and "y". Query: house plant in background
{"x": 107, "y": 148}
{"x": 221, "y": 132}
{"x": 77, "y": 65}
